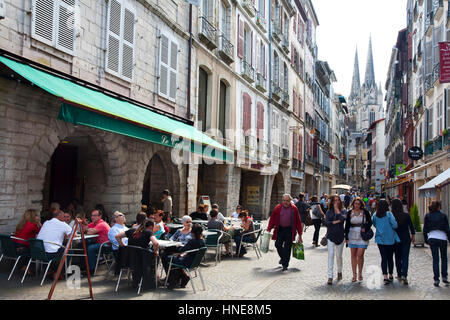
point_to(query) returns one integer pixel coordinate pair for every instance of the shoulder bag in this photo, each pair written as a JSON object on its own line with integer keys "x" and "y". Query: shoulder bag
{"x": 368, "y": 233}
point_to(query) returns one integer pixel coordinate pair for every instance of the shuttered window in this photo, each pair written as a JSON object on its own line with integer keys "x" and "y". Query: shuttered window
{"x": 53, "y": 23}
{"x": 295, "y": 146}
{"x": 246, "y": 112}
{"x": 168, "y": 68}
{"x": 120, "y": 40}
{"x": 240, "y": 37}
{"x": 260, "y": 121}
{"x": 300, "y": 148}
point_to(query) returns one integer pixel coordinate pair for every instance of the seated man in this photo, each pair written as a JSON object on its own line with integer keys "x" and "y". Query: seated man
{"x": 53, "y": 232}
{"x": 220, "y": 216}
{"x": 100, "y": 227}
{"x": 118, "y": 227}
{"x": 214, "y": 223}
{"x": 199, "y": 214}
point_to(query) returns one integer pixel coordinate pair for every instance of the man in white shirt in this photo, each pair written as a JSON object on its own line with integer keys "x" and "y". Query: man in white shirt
{"x": 53, "y": 232}
{"x": 118, "y": 227}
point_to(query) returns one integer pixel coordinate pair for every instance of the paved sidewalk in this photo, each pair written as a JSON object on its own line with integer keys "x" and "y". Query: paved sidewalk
{"x": 250, "y": 278}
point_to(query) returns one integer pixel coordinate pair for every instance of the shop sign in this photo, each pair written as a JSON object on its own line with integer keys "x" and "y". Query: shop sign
{"x": 253, "y": 196}
{"x": 444, "y": 59}
{"x": 415, "y": 153}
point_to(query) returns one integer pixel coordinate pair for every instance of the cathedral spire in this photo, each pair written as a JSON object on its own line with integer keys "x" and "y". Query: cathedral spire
{"x": 356, "y": 84}
{"x": 369, "y": 80}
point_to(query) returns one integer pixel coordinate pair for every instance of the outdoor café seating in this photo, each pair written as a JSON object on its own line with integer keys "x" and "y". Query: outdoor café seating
{"x": 9, "y": 251}
{"x": 252, "y": 243}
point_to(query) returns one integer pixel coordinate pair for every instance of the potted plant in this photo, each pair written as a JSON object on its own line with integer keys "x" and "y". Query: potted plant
{"x": 426, "y": 143}
{"x": 419, "y": 239}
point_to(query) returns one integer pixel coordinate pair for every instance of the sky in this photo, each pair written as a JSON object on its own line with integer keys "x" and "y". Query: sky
{"x": 347, "y": 24}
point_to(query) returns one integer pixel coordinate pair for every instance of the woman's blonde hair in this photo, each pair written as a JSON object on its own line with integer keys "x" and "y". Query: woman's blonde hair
{"x": 361, "y": 202}
{"x": 30, "y": 216}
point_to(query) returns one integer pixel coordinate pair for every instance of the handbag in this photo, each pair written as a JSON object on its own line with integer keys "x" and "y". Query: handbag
{"x": 324, "y": 241}
{"x": 298, "y": 251}
{"x": 368, "y": 233}
{"x": 308, "y": 220}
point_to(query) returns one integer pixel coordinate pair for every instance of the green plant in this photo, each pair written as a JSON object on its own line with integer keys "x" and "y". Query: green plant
{"x": 414, "y": 213}
{"x": 444, "y": 132}
{"x": 426, "y": 143}
{"x": 418, "y": 103}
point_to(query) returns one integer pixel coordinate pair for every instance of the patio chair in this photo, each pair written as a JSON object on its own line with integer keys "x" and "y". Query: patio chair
{"x": 105, "y": 250}
{"x": 195, "y": 265}
{"x": 253, "y": 243}
{"x": 37, "y": 253}
{"x": 9, "y": 251}
{"x": 213, "y": 241}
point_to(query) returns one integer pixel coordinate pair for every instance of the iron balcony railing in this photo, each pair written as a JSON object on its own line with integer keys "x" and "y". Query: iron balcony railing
{"x": 285, "y": 43}
{"x": 226, "y": 46}
{"x": 261, "y": 82}
{"x": 247, "y": 71}
{"x": 249, "y": 7}
{"x": 285, "y": 97}
{"x": 438, "y": 6}
{"x": 276, "y": 90}
{"x": 208, "y": 32}
{"x": 276, "y": 31}
{"x": 429, "y": 22}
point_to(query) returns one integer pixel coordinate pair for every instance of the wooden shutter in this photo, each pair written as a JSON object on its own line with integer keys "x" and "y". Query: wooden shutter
{"x": 294, "y": 23}
{"x": 113, "y": 56}
{"x": 300, "y": 105}
{"x": 294, "y": 107}
{"x": 247, "y": 112}
{"x": 294, "y": 146}
{"x": 252, "y": 48}
{"x": 300, "y": 148}
{"x": 240, "y": 46}
{"x": 263, "y": 8}
{"x": 173, "y": 70}
{"x": 292, "y": 54}
{"x": 164, "y": 66}
{"x": 44, "y": 12}
{"x": 65, "y": 26}
{"x": 260, "y": 121}
{"x": 128, "y": 44}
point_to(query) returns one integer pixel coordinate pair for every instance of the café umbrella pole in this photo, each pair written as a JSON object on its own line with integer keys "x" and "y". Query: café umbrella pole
{"x": 64, "y": 257}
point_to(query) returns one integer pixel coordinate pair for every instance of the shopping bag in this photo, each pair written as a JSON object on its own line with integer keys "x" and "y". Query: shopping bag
{"x": 298, "y": 251}
{"x": 265, "y": 242}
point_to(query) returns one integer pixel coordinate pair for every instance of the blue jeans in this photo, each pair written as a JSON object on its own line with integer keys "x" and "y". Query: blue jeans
{"x": 238, "y": 239}
{"x": 402, "y": 258}
{"x": 437, "y": 245}
{"x": 92, "y": 251}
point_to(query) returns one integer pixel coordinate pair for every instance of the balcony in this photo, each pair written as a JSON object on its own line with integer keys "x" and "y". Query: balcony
{"x": 276, "y": 31}
{"x": 247, "y": 71}
{"x": 226, "y": 49}
{"x": 249, "y": 7}
{"x": 429, "y": 23}
{"x": 429, "y": 148}
{"x": 285, "y": 44}
{"x": 261, "y": 82}
{"x": 261, "y": 22}
{"x": 439, "y": 9}
{"x": 285, "y": 98}
{"x": 276, "y": 90}
{"x": 431, "y": 78}
{"x": 208, "y": 33}
{"x": 285, "y": 154}
{"x": 437, "y": 144}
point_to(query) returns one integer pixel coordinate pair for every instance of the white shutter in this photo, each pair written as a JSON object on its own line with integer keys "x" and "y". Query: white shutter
{"x": 66, "y": 26}
{"x": 173, "y": 70}
{"x": 42, "y": 25}
{"x": 128, "y": 44}
{"x": 113, "y": 55}
{"x": 163, "y": 66}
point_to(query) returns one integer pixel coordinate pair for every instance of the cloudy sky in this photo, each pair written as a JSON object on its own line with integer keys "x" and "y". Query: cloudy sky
{"x": 347, "y": 24}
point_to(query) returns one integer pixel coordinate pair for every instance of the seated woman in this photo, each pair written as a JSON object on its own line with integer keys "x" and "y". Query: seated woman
{"x": 247, "y": 226}
{"x": 159, "y": 228}
{"x": 28, "y": 228}
{"x": 69, "y": 219}
{"x": 183, "y": 235}
{"x": 178, "y": 276}
{"x": 140, "y": 219}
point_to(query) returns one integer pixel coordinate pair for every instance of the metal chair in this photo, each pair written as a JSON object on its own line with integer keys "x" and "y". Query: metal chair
{"x": 37, "y": 252}
{"x": 253, "y": 243}
{"x": 213, "y": 241}
{"x": 9, "y": 251}
{"x": 105, "y": 250}
{"x": 195, "y": 265}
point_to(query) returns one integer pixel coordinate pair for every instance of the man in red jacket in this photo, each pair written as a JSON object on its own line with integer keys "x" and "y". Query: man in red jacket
{"x": 286, "y": 220}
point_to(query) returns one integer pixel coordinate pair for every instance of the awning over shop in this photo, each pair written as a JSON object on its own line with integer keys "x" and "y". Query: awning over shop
{"x": 429, "y": 189}
{"x": 85, "y": 106}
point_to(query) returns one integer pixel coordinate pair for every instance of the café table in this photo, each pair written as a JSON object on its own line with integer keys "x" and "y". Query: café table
{"x": 174, "y": 226}
{"x": 200, "y": 221}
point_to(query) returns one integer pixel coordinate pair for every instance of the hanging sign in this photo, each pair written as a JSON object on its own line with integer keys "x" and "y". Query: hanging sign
{"x": 444, "y": 59}
{"x": 415, "y": 153}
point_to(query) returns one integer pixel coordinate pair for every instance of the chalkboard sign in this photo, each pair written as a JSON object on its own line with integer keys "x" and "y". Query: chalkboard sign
{"x": 415, "y": 153}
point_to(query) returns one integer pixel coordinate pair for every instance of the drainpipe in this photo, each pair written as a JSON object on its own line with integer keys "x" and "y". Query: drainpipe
{"x": 188, "y": 102}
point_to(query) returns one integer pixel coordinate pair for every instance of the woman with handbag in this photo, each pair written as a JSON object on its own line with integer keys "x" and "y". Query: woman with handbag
{"x": 334, "y": 220}
{"x": 357, "y": 235}
{"x": 405, "y": 226}
{"x": 385, "y": 238}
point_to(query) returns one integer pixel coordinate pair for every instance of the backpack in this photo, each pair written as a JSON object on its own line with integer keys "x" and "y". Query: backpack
{"x": 316, "y": 212}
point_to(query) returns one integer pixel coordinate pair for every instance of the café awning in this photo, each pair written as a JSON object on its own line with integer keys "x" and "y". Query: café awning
{"x": 81, "y": 105}
{"x": 429, "y": 189}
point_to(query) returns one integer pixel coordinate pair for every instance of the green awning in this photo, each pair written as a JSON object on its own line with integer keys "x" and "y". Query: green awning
{"x": 85, "y": 106}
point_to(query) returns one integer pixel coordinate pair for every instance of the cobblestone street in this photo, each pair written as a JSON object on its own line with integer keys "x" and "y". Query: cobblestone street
{"x": 250, "y": 278}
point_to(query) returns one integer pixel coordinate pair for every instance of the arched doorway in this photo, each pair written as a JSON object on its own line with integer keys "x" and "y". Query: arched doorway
{"x": 277, "y": 191}
{"x": 75, "y": 171}
{"x": 161, "y": 174}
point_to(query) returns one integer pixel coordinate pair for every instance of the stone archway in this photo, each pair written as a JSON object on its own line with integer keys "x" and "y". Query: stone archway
{"x": 278, "y": 189}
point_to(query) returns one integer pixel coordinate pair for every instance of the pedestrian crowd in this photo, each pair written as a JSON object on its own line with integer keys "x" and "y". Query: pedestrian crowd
{"x": 349, "y": 219}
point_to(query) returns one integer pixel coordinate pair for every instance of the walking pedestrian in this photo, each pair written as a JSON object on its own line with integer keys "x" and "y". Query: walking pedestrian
{"x": 385, "y": 238}
{"x": 401, "y": 250}
{"x": 334, "y": 220}
{"x": 286, "y": 222}
{"x": 302, "y": 209}
{"x": 436, "y": 233}
{"x": 358, "y": 220}
{"x": 316, "y": 216}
